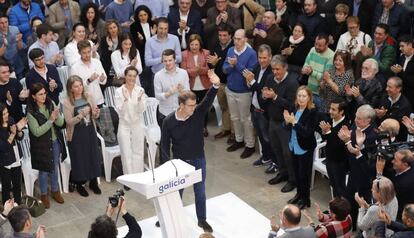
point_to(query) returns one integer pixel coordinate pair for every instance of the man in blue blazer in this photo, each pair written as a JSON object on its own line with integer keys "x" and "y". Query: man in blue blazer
{"x": 184, "y": 21}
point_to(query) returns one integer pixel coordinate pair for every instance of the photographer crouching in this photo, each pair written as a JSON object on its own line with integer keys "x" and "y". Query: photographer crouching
{"x": 105, "y": 227}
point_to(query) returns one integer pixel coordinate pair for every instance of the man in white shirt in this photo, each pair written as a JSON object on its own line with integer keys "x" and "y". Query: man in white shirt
{"x": 91, "y": 72}
{"x": 168, "y": 83}
{"x": 50, "y": 48}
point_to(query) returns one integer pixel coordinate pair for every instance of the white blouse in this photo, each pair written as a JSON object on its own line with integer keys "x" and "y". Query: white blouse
{"x": 147, "y": 30}
{"x": 121, "y": 63}
{"x": 131, "y": 110}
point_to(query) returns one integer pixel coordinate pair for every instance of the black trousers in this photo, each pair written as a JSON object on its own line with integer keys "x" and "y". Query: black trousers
{"x": 200, "y": 96}
{"x": 302, "y": 165}
{"x": 279, "y": 141}
{"x": 160, "y": 118}
{"x": 11, "y": 182}
{"x": 337, "y": 171}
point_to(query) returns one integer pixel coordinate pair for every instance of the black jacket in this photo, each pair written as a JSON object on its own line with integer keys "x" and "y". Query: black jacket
{"x": 257, "y": 87}
{"x": 34, "y": 77}
{"x": 407, "y": 77}
{"x": 335, "y": 147}
{"x": 286, "y": 94}
{"x": 41, "y": 147}
{"x": 136, "y": 28}
{"x": 365, "y": 13}
{"x": 305, "y": 128}
{"x": 7, "y": 155}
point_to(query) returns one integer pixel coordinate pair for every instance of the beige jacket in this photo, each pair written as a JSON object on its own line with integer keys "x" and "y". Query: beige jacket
{"x": 71, "y": 120}
{"x": 56, "y": 19}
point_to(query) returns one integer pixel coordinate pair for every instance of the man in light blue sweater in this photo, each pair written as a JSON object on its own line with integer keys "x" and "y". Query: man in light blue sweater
{"x": 239, "y": 97}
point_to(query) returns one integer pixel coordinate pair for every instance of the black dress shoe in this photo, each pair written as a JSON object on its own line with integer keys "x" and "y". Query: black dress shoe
{"x": 302, "y": 204}
{"x": 288, "y": 187}
{"x": 235, "y": 146}
{"x": 247, "y": 153}
{"x": 81, "y": 190}
{"x": 157, "y": 224}
{"x": 126, "y": 188}
{"x": 277, "y": 179}
{"x": 72, "y": 187}
{"x": 294, "y": 200}
{"x": 271, "y": 169}
{"x": 206, "y": 227}
{"x": 94, "y": 187}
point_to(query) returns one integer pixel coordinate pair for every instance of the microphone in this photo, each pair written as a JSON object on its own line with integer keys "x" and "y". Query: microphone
{"x": 150, "y": 162}
{"x": 169, "y": 159}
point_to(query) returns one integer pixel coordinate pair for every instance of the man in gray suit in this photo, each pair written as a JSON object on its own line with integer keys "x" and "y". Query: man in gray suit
{"x": 290, "y": 219}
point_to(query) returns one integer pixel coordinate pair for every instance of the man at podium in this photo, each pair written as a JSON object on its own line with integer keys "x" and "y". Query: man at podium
{"x": 183, "y": 129}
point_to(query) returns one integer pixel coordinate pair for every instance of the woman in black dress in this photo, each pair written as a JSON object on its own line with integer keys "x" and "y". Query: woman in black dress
{"x": 80, "y": 112}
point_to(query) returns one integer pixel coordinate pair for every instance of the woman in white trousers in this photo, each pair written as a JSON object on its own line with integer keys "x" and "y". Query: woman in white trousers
{"x": 130, "y": 105}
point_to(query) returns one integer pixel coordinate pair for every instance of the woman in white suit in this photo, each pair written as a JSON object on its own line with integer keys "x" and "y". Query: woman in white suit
{"x": 130, "y": 105}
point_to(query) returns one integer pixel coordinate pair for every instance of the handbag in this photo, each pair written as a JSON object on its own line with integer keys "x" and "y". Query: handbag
{"x": 35, "y": 206}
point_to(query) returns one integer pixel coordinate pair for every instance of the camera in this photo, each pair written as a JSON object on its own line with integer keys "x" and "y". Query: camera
{"x": 114, "y": 199}
{"x": 386, "y": 148}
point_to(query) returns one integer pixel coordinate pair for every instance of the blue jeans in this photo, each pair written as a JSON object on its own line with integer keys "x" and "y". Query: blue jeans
{"x": 199, "y": 188}
{"x": 54, "y": 176}
{"x": 261, "y": 124}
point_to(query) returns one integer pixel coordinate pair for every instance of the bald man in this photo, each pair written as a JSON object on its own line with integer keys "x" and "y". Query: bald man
{"x": 239, "y": 97}
{"x": 290, "y": 219}
{"x": 267, "y": 32}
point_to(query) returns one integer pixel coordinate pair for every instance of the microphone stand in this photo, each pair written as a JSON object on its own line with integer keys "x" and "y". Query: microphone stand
{"x": 169, "y": 159}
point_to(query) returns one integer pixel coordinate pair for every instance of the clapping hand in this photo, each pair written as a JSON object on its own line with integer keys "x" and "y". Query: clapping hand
{"x": 289, "y": 117}
{"x": 52, "y": 84}
{"x": 361, "y": 201}
{"x": 8, "y": 206}
{"x": 95, "y": 112}
{"x": 248, "y": 75}
{"x": 13, "y": 129}
{"x": 344, "y": 134}
{"x": 232, "y": 60}
{"x": 125, "y": 93}
{"x": 102, "y": 77}
{"x": 213, "y": 59}
{"x": 41, "y": 231}
{"x": 409, "y": 123}
{"x": 93, "y": 77}
{"x": 396, "y": 68}
{"x": 273, "y": 224}
{"x": 384, "y": 216}
{"x": 55, "y": 114}
{"x": 21, "y": 124}
{"x": 19, "y": 37}
{"x": 307, "y": 70}
{"x": 318, "y": 211}
{"x": 9, "y": 98}
{"x": 325, "y": 127}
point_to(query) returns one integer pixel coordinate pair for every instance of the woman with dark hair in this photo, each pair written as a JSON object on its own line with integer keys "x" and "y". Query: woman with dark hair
{"x": 130, "y": 105}
{"x": 194, "y": 61}
{"x": 71, "y": 51}
{"x": 109, "y": 44}
{"x": 302, "y": 122}
{"x": 295, "y": 48}
{"x": 141, "y": 30}
{"x": 45, "y": 121}
{"x": 126, "y": 55}
{"x": 80, "y": 111}
{"x": 95, "y": 26}
{"x": 10, "y": 166}
{"x": 334, "y": 81}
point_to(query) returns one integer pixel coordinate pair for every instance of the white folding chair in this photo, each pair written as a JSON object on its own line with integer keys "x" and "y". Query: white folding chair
{"x": 63, "y": 72}
{"x": 218, "y": 111}
{"x": 317, "y": 162}
{"x": 65, "y": 167}
{"x": 110, "y": 96}
{"x": 30, "y": 175}
{"x": 109, "y": 153}
{"x": 152, "y": 129}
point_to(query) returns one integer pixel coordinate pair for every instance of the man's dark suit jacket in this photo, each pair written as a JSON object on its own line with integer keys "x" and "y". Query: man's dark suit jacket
{"x": 193, "y": 22}
{"x": 257, "y": 87}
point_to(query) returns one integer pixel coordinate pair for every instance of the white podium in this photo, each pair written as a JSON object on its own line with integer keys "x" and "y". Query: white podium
{"x": 165, "y": 195}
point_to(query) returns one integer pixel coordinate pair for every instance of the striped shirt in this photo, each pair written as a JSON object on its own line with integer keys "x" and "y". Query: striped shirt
{"x": 319, "y": 63}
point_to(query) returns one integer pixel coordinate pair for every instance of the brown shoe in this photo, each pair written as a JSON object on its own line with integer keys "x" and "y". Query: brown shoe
{"x": 45, "y": 201}
{"x": 222, "y": 134}
{"x": 57, "y": 196}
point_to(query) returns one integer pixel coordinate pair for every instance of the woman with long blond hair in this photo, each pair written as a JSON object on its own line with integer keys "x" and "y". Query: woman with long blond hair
{"x": 80, "y": 113}
{"x": 302, "y": 121}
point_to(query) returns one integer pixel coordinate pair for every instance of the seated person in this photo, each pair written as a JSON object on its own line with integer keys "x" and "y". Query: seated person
{"x": 338, "y": 223}
{"x": 290, "y": 219}
{"x": 21, "y": 222}
{"x": 104, "y": 226}
{"x": 406, "y": 229}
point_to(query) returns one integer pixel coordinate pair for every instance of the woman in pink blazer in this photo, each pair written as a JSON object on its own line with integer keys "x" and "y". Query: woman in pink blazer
{"x": 194, "y": 60}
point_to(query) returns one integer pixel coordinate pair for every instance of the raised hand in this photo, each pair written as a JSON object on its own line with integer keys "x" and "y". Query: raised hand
{"x": 214, "y": 79}
{"x": 13, "y": 129}
{"x": 21, "y": 124}
{"x": 24, "y": 94}
{"x": 248, "y": 75}
{"x": 409, "y": 123}
{"x": 360, "y": 137}
{"x": 9, "y": 97}
{"x": 344, "y": 134}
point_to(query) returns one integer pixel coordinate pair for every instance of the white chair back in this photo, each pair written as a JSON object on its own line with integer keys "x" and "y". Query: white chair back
{"x": 25, "y": 145}
{"x": 110, "y": 96}
{"x": 150, "y": 113}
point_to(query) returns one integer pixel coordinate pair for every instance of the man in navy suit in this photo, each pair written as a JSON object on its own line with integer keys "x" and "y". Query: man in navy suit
{"x": 256, "y": 80}
{"x": 184, "y": 21}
